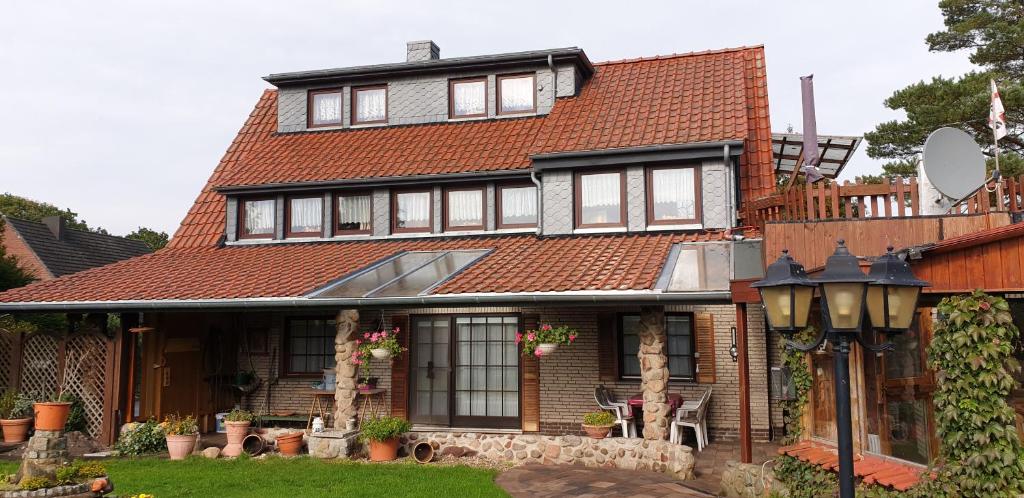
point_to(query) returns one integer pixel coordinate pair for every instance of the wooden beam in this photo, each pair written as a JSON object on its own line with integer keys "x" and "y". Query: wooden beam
{"x": 746, "y": 451}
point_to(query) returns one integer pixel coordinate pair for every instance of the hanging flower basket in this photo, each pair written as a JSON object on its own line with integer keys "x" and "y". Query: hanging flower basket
{"x": 382, "y": 345}
{"x": 380, "y": 353}
{"x": 545, "y": 340}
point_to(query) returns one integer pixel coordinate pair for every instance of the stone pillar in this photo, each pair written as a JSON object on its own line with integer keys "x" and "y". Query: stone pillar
{"x": 45, "y": 452}
{"x": 344, "y": 346}
{"x": 654, "y": 372}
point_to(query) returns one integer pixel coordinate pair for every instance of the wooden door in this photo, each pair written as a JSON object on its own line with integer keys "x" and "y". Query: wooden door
{"x": 179, "y": 377}
{"x": 823, "y": 399}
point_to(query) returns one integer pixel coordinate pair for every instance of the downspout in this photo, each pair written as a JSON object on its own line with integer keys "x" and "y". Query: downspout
{"x": 730, "y": 187}
{"x": 540, "y": 201}
{"x": 554, "y": 79}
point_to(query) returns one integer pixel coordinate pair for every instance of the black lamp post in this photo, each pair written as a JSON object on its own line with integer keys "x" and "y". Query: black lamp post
{"x": 890, "y": 292}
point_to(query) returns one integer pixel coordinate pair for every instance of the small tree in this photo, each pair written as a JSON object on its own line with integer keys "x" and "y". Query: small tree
{"x": 972, "y": 355}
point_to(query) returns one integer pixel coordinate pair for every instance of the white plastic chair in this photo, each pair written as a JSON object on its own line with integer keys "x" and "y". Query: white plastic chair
{"x": 623, "y": 414}
{"x": 693, "y": 415}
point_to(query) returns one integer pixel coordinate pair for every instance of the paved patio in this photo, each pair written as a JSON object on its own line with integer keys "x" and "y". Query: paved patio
{"x": 539, "y": 481}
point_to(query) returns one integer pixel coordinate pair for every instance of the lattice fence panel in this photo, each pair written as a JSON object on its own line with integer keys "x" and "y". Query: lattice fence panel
{"x": 6, "y": 360}
{"x": 85, "y": 361}
{"x": 39, "y": 365}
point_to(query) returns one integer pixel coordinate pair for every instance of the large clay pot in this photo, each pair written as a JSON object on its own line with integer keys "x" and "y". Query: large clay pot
{"x": 597, "y": 431}
{"x": 383, "y": 451}
{"x": 290, "y": 444}
{"x": 180, "y": 447}
{"x": 51, "y": 416}
{"x": 236, "y": 434}
{"x": 15, "y": 430}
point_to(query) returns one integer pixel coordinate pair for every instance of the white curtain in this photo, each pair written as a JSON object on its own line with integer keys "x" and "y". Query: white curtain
{"x": 602, "y": 199}
{"x": 259, "y": 217}
{"x": 354, "y": 212}
{"x": 465, "y": 208}
{"x": 371, "y": 105}
{"x": 517, "y": 94}
{"x": 326, "y": 108}
{"x": 307, "y": 214}
{"x": 414, "y": 210}
{"x": 518, "y": 205}
{"x": 674, "y": 194}
{"x": 468, "y": 98}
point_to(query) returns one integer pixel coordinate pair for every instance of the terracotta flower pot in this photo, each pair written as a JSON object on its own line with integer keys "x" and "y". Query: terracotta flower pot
{"x": 290, "y": 444}
{"x": 15, "y": 430}
{"x": 597, "y": 431}
{"x": 380, "y": 353}
{"x": 180, "y": 447}
{"x": 236, "y": 434}
{"x": 547, "y": 348}
{"x": 384, "y": 451}
{"x": 51, "y": 416}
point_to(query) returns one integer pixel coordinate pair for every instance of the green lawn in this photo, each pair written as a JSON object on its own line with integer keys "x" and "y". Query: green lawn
{"x": 298, "y": 477}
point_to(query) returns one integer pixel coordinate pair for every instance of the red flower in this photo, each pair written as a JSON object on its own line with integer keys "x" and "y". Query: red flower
{"x": 519, "y": 337}
{"x": 572, "y": 337}
{"x": 538, "y": 353}
{"x": 984, "y": 305}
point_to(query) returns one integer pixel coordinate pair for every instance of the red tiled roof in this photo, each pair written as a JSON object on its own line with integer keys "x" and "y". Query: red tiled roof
{"x": 873, "y": 469}
{"x": 519, "y": 263}
{"x": 696, "y": 97}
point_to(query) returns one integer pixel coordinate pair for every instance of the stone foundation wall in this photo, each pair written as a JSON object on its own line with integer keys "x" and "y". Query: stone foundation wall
{"x": 624, "y": 453}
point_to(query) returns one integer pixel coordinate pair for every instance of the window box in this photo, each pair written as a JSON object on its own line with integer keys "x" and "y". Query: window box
{"x": 516, "y": 205}
{"x": 305, "y": 216}
{"x": 324, "y": 108}
{"x": 467, "y": 98}
{"x": 370, "y": 104}
{"x": 464, "y": 208}
{"x": 412, "y": 211}
{"x": 600, "y": 199}
{"x": 256, "y": 218}
{"x": 353, "y": 213}
{"x": 673, "y": 195}
{"x": 517, "y": 94}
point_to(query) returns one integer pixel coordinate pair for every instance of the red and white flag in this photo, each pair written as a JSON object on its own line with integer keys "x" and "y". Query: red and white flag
{"x": 996, "y": 114}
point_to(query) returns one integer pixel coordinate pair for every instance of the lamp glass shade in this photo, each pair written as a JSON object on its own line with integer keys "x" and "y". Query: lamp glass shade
{"x": 902, "y": 304}
{"x": 845, "y": 301}
{"x": 787, "y": 306}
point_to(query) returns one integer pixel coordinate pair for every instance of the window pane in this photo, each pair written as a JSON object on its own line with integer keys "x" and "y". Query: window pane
{"x": 371, "y": 105}
{"x": 413, "y": 210}
{"x": 469, "y": 98}
{"x": 326, "y": 108}
{"x": 519, "y": 205}
{"x": 516, "y": 94}
{"x": 259, "y": 217}
{"x": 600, "y": 199}
{"x": 306, "y": 214}
{"x": 353, "y": 213}
{"x": 465, "y": 208}
{"x": 674, "y": 195}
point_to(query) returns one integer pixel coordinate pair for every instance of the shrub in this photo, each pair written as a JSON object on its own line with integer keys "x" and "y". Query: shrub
{"x": 68, "y": 474}
{"x": 972, "y": 355}
{"x": 34, "y": 483}
{"x": 173, "y": 425}
{"x": 601, "y": 419}
{"x": 76, "y": 416}
{"x": 239, "y": 415}
{"x": 140, "y": 439}
{"x": 383, "y": 428}
{"x": 804, "y": 480}
{"x": 15, "y": 405}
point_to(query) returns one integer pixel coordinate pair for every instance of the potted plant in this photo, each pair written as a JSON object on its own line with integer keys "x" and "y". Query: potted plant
{"x": 545, "y": 340}
{"x": 381, "y": 345}
{"x": 366, "y": 384}
{"x": 53, "y": 415}
{"x": 181, "y": 434}
{"x": 15, "y": 415}
{"x": 381, "y": 434}
{"x": 237, "y": 423}
{"x": 598, "y": 424}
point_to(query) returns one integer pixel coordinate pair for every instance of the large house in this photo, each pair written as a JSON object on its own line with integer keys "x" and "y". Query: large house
{"x": 461, "y": 200}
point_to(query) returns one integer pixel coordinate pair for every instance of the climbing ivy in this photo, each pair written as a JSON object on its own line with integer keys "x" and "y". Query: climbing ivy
{"x": 972, "y": 356}
{"x": 804, "y": 480}
{"x": 793, "y": 410}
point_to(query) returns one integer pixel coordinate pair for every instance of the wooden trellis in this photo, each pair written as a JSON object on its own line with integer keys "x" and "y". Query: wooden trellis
{"x": 6, "y": 360}
{"x": 85, "y": 367}
{"x": 39, "y": 364}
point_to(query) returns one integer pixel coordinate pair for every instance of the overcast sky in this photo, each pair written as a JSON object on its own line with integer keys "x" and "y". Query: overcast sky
{"x": 120, "y": 110}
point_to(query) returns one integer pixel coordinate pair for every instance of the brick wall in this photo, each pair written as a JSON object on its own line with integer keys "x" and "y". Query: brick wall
{"x": 27, "y": 259}
{"x": 568, "y": 377}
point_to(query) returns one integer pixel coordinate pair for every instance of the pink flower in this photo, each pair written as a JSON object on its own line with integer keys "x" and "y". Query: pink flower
{"x": 366, "y": 335}
{"x": 519, "y": 337}
{"x": 572, "y": 337}
{"x": 538, "y": 353}
{"x": 395, "y": 330}
{"x": 358, "y": 342}
{"x": 375, "y": 337}
{"x": 545, "y": 327}
{"x": 383, "y": 334}
{"x": 531, "y": 337}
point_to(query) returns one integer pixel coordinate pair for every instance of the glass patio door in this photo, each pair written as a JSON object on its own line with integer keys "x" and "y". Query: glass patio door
{"x": 465, "y": 371}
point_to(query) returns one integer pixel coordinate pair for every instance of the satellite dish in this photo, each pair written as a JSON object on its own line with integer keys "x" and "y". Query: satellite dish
{"x": 953, "y": 162}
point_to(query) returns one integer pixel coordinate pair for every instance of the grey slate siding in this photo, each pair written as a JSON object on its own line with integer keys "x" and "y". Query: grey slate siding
{"x": 714, "y": 186}
{"x": 291, "y": 109}
{"x": 381, "y": 206}
{"x": 231, "y": 223}
{"x": 438, "y": 210}
{"x": 558, "y": 214}
{"x": 491, "y": 211}
{"x": 636, "y": 199}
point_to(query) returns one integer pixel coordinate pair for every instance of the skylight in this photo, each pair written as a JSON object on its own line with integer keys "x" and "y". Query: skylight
{"x": 405, "y": 274}
{"x": 697, "y": 267}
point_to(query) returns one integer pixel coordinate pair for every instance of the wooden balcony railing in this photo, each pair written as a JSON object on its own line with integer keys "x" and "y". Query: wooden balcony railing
{"x": 894, "y": 198}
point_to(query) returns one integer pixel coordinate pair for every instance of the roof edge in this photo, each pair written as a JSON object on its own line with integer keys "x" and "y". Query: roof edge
{"x": 601, "y": 157}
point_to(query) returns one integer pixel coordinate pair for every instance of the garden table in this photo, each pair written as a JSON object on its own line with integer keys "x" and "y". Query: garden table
{"x": 372, "y": 404}
{"x": 674, "y": 401}
{"x": 322, "y": 400}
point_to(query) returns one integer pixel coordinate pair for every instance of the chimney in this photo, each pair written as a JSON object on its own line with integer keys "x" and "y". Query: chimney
{"x": 423, "y": 50}
{"x": 57, "y": 226}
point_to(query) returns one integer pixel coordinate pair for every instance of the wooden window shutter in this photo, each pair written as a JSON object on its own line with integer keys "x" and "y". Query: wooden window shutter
{"x": 400, "y": 369}
{"x": 530, "y": 394}
{"x": 607, "y": 348}
{"x": 704, "y": 328}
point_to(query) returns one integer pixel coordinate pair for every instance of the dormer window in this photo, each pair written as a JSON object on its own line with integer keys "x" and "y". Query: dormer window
{"x": 673, "y": 195}
{"x": 600, "y": 199}
{"x": 257, "y": 219}
{"x": 517, "y": 206}
{"x": 305, "y": 216}
{"x": 464, "y": 208}
{"x": 324, "y": 108}
{"x": 413, "y": 211}
{"x": 354, "y": 214}
{"x": 467, "y": 98}
{"x": 370, "y": 104}
{"x": 517, "y": 94}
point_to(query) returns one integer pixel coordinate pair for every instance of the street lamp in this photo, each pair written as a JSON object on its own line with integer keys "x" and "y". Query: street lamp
{"x": 890, "y": 293}
{"x": 893, "y": 293}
